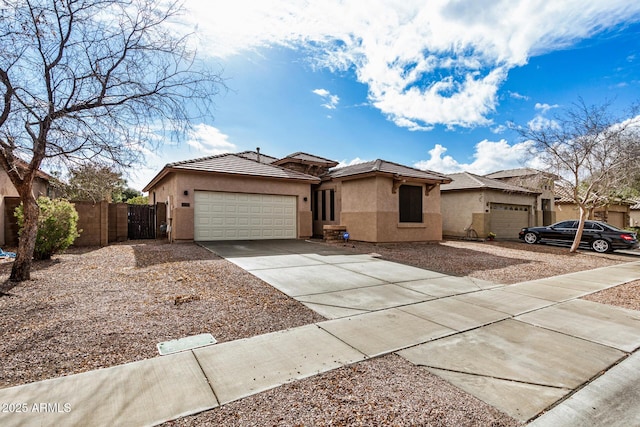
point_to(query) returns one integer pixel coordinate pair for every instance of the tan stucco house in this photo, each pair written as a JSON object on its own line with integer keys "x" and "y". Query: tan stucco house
{"x": 616, "y": 213}
{"x": 486, "y": 205}
{"x": 248, "y": 195}
{"x": 535, "y": 180}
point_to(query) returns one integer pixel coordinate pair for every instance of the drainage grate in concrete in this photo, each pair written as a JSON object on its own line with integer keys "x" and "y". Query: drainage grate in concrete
{"x": 186, "y": 343}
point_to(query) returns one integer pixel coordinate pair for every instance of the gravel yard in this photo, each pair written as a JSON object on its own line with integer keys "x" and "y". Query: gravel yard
{"x": 89, "y": 309}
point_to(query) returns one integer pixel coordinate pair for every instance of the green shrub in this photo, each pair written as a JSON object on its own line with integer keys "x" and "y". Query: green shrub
{"x": 139, "y": 200}
{"x": 57, "y": 226}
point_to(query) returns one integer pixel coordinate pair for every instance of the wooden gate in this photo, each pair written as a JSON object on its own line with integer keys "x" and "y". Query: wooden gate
{"x": 142, "y": 222}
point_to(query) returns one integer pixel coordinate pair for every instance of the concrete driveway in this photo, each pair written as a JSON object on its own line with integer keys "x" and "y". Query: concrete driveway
{"x": 527, "y": 348}
{"x": 337, "y": 283}
{"x": 522, "y": 348}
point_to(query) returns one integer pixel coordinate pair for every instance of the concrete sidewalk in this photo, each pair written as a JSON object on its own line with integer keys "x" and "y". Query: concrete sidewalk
{"x": 521, "y": 348}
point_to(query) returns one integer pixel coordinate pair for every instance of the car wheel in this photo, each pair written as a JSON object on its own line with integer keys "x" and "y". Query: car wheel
{"x": 600, "y": 246}
{"x": 531, "y": 237}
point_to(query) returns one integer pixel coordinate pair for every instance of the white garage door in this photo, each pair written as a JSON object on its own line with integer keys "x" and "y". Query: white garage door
{"x": 507, "y": 220}
{"x": 240, "y": 216}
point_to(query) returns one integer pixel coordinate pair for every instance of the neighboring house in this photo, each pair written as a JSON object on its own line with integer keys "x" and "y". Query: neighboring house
{"x": 536, "y": 180}
{"x": 252, "y": 196}
{"x": 9, "y": 200}
{"x": 634, "y": 213}
{"x": 486, "y": 205}
{"x": 617, "y": 213}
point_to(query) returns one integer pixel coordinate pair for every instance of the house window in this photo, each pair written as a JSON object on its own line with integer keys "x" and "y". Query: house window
{"x": 314, "y": 206}
{"x": 410, "y": 197}
{"x": 332, "y": 205}
{"x": 324, "y": 205}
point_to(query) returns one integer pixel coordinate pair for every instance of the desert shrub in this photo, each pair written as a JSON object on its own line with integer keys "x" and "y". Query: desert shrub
{"x": 57, "y": 226}
{"x": 139, "y": 200}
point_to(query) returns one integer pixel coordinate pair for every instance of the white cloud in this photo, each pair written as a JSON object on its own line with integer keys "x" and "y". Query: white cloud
{"x": 355, "y": 161}
{"x": 489, "y": 156}
{"x": 516, "y": 95}
{"x": 499, "y": 129}
{"x": 331, "y": 101}
{"x": 539, "y": 121}
{"x": 209, "y": 140}
{"x": 425, "y": 63}
{"x": 545, "y": 107}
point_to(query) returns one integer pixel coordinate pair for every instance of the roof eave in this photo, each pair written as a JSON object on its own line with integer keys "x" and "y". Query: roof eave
{"x": 393, "y": 175}
{"x": 166, "y": 171}
{"x": 159, "y": 176}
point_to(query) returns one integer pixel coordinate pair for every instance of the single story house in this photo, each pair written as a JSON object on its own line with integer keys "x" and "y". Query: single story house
{"x": 248, "y": 195}
{"x": 617, "y": 213}
{"x": 536, "y": 180}
{"x": 486, "y": 205}
{"x": 9, "y": 200}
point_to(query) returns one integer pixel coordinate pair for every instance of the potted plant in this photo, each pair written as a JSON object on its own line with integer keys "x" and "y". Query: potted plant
{"x": 491, "y": 236}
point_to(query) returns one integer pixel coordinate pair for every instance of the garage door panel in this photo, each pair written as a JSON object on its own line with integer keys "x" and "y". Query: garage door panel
{"x": 239, "y": 216}
{"x": 507, "y": 220}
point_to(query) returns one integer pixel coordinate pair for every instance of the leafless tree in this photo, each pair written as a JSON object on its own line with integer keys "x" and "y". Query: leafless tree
{"x": 595, "y": 152}
{"x": 91, "y": 80}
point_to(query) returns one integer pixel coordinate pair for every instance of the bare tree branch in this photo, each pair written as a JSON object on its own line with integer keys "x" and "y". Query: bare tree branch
{"x": 594, "y": 152}
{"x": 86, "y": 80}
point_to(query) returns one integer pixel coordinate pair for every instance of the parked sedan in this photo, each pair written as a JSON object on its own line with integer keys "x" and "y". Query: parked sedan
{"x": 600, "y": 236}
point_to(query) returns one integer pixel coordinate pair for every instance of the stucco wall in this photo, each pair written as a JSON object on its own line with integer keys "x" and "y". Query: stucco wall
{"x": 458, "y": 208}
{"x": 461, "y": 209}
{"x": 565, "y": 211}
{"x": 359, "y": 201}
{"x": 370, "y": 211}
{"x": 180, "y": 211}
{"x": 617, "y": 215}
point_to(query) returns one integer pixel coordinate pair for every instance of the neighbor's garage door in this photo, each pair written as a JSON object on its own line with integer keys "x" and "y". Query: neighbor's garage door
{"x": 240, "y": 216}
{"x": 507, "y": 220}
{"x": 616, "y": 219}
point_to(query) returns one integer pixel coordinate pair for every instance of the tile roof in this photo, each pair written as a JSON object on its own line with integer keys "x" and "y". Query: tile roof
{"x": 234, "y": 164}
{"x": 39, "y": 173}
{"x": 519, "y": 172}
{"x": 305, "y": 157}
{"x": 470, "y": 181}
{"x": 510, "y": 173}
{"x": 564, "y": 194}
{"x": 253, "y": 155}
{"x": 383, "y": 166}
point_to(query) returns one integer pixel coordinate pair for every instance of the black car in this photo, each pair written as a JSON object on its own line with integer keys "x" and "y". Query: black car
{"x": 600, "y": 236}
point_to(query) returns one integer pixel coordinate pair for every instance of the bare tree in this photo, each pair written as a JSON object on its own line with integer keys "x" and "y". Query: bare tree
{"x": 595, "y": 153}
{"x": 90, "y": 80}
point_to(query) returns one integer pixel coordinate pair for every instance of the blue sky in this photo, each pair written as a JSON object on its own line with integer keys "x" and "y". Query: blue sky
{"x": 430, "y": 84}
